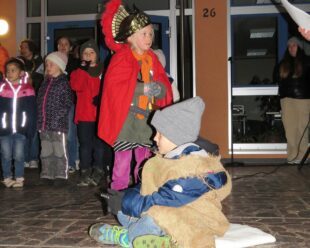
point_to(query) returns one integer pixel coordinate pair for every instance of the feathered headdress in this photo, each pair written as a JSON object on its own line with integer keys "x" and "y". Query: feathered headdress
{"x": 118, "y": 23}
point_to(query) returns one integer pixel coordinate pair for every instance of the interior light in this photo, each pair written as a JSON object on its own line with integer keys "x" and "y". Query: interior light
{"x": 256, "y": 52}
{"x": 4, "y": 27}
{"x": 261, "y": 33}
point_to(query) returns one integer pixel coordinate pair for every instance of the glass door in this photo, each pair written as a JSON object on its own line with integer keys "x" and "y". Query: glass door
{"x": 258, "y": 41}
{"x": 77, "y": 31}
{"x": 161, "y": 41}
{"x": 255, "y": 105}
{"x": 81, "y": 31}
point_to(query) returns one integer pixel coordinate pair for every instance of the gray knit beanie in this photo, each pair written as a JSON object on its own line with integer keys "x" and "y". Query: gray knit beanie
{"x": 89, "y": 44}
{"x": 180, "y": 122}
{"x": 294, "y": 40}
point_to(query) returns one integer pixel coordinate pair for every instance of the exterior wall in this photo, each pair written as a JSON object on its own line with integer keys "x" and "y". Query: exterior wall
{"x": 212, "y": 73}
{"x": 211, "y": 69}
{"x": 8, "y": 12}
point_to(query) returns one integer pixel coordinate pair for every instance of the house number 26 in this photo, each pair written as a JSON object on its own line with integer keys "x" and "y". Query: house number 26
{"x": 209, "y": 12}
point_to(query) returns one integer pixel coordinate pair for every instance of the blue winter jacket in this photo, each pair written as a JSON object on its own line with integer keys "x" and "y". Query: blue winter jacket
{"x": 173, "y": 193}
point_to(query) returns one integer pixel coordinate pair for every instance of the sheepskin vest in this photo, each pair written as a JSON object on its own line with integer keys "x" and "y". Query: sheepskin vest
{"x": 196, "y": 224}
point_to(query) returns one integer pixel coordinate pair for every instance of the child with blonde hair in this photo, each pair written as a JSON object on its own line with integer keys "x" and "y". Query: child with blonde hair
{"x": 54, "y": 102}
{"x": 135, "y": 84}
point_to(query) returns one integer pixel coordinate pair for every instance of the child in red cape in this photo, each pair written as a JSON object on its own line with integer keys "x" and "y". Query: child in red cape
{"x": 134, "y": 83}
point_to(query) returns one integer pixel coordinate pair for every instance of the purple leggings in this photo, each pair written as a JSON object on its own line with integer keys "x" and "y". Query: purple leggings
{"x": 121, "y": 169}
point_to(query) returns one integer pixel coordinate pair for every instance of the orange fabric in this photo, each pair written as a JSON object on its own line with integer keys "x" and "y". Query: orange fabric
{"x": 146, "y": 68}
{"x": 118, "y": 90}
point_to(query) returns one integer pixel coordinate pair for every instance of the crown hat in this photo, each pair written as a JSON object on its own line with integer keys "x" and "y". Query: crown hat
{"x": 126, "y": 23}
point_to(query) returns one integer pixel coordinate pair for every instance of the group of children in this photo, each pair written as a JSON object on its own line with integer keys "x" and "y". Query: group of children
{"x": 65, "y": 83}
{"x": 24, "y": 113}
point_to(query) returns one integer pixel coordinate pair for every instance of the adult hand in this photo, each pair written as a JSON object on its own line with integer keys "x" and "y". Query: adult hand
{"x": 305, "y": 33}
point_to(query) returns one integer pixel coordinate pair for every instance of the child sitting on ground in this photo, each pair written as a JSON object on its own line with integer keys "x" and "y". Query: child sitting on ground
{"x": 179, "y": 198}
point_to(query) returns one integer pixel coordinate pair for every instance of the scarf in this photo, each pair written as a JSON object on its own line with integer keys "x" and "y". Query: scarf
{"x": 95, "y": 71}
{"x": 146, "y": 69}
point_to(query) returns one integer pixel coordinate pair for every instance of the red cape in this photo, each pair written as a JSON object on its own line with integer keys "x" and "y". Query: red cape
{"x": 118, "y": 90}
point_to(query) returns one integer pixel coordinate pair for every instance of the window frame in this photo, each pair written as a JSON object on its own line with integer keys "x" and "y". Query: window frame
{"x": 258, "y": 148}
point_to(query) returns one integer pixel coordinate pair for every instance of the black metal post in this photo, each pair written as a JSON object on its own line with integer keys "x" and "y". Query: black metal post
{"x": 302, "y": 162}
{"x": 182, "y": 47}
{"x": 232, "y": 161}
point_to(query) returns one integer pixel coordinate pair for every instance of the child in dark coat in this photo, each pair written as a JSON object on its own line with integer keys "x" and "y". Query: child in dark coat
{"x": 54, "y": 102}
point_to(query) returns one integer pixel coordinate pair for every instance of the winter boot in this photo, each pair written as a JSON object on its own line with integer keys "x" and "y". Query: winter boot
{"x": 19, "y": 183}
{"x": 8, "y": 182}
{"x": 85, "y": 178}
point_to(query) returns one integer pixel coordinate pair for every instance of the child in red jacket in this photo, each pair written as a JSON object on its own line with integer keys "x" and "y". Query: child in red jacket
{"x": 85, "y": 81}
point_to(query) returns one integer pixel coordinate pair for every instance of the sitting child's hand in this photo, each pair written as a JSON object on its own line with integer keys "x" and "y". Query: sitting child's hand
{"x": 114, "y": 199}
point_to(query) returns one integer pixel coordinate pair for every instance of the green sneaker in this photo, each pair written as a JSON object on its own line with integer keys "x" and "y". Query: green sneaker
{"x": 110, "y": 235}
{"x": 153, "y": 241}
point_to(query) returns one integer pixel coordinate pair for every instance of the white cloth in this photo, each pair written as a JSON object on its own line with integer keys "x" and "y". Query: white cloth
{"x": 240, "y": 236}
{"x": 298, "y": 15}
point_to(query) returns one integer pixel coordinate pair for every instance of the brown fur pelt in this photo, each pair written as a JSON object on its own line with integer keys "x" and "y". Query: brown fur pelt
{"x": 197, "y": 223}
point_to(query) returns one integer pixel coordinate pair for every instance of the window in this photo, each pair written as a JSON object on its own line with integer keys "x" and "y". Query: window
{"x": 33, "y": 8}
{"x": 77, "y": 7}
{"x": 147, "y": 5}
{"x": 73, "y": 7}
{"x": 263, "y": 2}
{"x": 258, "y": 42}
{"x": 257, "y": 119}
{"x": 254, "y": 50}
{"x": 34, "y": 33}
{"x": 77, "y": 35}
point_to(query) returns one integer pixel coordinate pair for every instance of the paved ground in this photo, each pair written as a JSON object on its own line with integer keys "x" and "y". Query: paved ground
{"x": 277, "y": 200}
